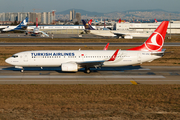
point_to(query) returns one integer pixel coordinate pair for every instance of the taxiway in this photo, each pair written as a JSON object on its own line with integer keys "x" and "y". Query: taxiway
{"x": 118, "y": 75}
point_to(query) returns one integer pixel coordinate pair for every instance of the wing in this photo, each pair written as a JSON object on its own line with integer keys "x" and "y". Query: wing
{"x": 97, "y": 63}
{"x": 44, "y": 33}
{"x": 119, "y": 34}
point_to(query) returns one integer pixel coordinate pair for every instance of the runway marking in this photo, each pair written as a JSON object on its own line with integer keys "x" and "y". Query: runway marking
{"x": 133, "y": 82}
{"x": 74, "y": 45}
{"x": 114, "y": 76}
{"x": 86, "y": 80}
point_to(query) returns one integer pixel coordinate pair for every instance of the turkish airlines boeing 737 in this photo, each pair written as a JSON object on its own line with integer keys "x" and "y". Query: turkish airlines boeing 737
{"x": 72, "y": 60}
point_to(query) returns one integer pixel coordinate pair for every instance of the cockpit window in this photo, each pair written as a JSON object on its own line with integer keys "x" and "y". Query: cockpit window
{"x": 15, "y": 56}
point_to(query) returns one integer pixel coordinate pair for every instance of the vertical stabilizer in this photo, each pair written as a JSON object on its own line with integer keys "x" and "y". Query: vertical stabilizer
{"x": 156, "y": 40}
{"x": 87, "y": 26}
{"x": 36, "y": 22}
{"x": 23, "y": 24}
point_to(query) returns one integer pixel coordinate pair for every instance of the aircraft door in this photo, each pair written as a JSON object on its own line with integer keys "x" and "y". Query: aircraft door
{"x": 81, "y": 57}
{"x": 139, "y": 57}
{"x": 25, "y": 57}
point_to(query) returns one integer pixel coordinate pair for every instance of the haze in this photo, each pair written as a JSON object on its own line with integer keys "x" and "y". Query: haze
{"x": 89, "y": 5}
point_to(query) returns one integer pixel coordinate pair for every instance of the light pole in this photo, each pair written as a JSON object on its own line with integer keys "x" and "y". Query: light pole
{"x": 170, "y": 26}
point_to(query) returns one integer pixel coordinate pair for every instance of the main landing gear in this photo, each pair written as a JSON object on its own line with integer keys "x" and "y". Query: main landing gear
{"x": 87, "y": 70}
{"x": 22, "y": 70}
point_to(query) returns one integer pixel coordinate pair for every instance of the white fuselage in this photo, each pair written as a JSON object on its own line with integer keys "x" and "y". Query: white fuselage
{"x": 110, "y": 33}
{"x": 9, "y": 28}
{"x": 54, "y": 58}
{"x": 36, "y": 30}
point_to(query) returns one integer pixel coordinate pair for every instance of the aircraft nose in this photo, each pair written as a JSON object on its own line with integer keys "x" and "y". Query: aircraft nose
{"x": 8, "y": 60}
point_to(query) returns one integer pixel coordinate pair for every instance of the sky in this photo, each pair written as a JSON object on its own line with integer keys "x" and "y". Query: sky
{"x": 102, "y": 6}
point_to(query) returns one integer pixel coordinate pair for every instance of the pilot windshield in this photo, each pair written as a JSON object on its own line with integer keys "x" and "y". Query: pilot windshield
{"x": 15, "y": 56}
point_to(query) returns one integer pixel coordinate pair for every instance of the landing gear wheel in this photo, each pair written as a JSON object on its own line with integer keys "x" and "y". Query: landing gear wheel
{"x": 87, "y": 70}
{"x": 22, "y": 70}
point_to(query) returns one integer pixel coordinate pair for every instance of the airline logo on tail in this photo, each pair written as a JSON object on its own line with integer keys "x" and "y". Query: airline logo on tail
{"x": 155, "y": 20}
{"x": 90, "y": 21}
{"x": 156, "y": 40}
{"x": 87, "y": 26}
{"x": 119, "y": 21}
{"x": 22, "y": 24}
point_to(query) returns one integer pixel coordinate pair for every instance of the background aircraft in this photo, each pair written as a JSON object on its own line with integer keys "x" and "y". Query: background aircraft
{"x": 22, "y": 25}
{"x": 36, "y": 31}
{"x": 73, "y": 60}
{"x": 126, "y": 34}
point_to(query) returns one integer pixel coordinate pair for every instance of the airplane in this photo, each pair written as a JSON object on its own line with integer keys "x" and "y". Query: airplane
{"x": 126, "y": 34}
{"x": 73, "y": 60}
{"x": 22, "y": 25}
{"x": 36, "y": 30}
{"x": 96, "y": 22}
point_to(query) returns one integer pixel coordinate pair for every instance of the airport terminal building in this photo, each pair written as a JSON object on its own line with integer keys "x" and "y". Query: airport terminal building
{"x": 173, "y": 27}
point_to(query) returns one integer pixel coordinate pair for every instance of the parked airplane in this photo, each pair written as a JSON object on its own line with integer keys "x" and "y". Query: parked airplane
{"x": 73, "y": 60}
{"x": 126, "y": 34}
{"x": 22, "y": 25}
{"x": 36, "y": 30}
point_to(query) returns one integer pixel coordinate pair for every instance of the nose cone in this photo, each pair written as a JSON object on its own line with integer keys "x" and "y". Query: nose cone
{"x": 8, "y": 61}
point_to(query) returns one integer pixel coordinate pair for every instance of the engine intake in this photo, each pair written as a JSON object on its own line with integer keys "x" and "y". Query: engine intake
{"x": 69, "y": 67}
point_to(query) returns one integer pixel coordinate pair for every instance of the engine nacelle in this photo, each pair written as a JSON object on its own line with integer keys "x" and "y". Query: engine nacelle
{"x": 128, "y": 37}
{"x": 70, "y": 67}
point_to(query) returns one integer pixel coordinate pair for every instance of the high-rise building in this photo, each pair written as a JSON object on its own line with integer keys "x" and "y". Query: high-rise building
{"x": 44, "y": 18}
{"x": 72, "y": 15}
{"x": 7, "y": 16}
{"x": 78, "y": 17}
{"x": 49, "y": 18}
{"x": 38, "y": 16}
{"x": 32, "y": 17}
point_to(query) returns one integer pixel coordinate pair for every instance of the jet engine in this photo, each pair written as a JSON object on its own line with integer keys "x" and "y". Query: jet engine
{"x": 69, "y": 67}
{"x": 128, "y": 37}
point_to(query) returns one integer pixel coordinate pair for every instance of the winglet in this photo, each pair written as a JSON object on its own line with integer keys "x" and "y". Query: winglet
{"x": 114, "y": 56}
{"x": 106, "y": 47}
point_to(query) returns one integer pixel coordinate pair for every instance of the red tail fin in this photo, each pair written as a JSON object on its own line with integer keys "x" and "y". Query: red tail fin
{"x": 119, "y": 21}
{"x": 156, "y": 40}
{"x": 106, "y": 47}
{"x": 90, "y": 21}
{"x": 155, "y": 21}
{"x": 36, "y": 22}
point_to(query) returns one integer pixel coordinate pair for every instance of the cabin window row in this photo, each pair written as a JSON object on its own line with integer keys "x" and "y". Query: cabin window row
{"x": 76, "y": 56}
